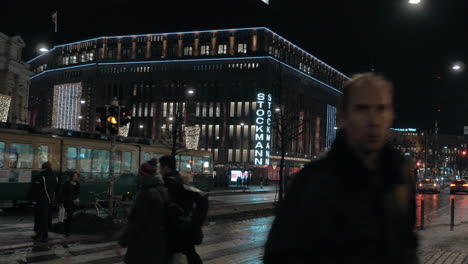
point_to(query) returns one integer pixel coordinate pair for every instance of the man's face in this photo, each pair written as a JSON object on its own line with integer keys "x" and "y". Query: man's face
{"x": 367, "y": 117}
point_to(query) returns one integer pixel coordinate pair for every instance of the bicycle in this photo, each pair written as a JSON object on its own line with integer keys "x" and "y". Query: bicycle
{"x": 101, "y": 206}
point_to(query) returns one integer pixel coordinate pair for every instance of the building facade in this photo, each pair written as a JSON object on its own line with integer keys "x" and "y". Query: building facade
{"x": 14, "y": 81}
{"x": 233, "y": 85}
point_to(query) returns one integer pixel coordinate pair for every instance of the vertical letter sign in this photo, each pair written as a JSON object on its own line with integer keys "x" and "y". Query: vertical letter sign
{"x": 263, "y": 129}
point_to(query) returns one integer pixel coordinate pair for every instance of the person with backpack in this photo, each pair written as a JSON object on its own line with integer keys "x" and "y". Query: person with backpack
{"x": 42, "y": 195}
{"x": 186, "y": 211}
{"x": 144, "y": 235}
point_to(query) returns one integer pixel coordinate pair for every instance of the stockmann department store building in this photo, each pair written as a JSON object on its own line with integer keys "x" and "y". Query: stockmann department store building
{"x": 237, "y": 79}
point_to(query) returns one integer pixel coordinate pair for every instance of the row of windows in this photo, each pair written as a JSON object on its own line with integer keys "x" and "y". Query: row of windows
{"x": 21, "y": 156}
{"x": 186, "y": 163}
{"x": 73, "y": 59}
{"x": 202, "y": 109}
{"x": 242, "y": 66}
{"x": 95, "y": 162}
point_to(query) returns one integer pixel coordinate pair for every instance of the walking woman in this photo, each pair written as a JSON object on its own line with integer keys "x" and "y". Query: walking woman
{"x": 70, "y": 192}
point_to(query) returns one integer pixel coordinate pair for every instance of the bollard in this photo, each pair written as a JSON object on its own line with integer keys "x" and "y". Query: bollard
{"x": 422, "y": 215}
{"x": 452, "y": 214}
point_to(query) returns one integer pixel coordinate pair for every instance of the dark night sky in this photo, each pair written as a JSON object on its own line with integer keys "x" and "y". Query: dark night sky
{"x": 411, "y": 46}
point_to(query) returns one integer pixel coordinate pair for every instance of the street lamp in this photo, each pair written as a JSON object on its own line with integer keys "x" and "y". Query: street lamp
{"x": 277, "y": 109}
{"x": 190, "y": 91}
{"x": 457, "y": 67}
{"x": 142, "y": 126}
{"x": 43, "y": 50}
{"x": 414, "y": 2}
{"x": 82, "y": 101}
{"x": 170, "y": 118}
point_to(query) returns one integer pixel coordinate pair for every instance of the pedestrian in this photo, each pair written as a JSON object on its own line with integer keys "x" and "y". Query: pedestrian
{"x": 42, "y": 195}
{"x": 192, "y": 208}
{"x": 144, "y": 236}
{"x": 261, "y": 182}
{"x": 356, "y": 205}
{"x": 239, "y": 181}
{"x": 70, "y": 200}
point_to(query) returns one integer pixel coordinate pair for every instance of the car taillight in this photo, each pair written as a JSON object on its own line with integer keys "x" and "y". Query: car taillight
{"x": 420, "y": 184}
{"x": 452, "y": 185}
{"x": 434, "y": 184}
{"x": 465, "y": 185}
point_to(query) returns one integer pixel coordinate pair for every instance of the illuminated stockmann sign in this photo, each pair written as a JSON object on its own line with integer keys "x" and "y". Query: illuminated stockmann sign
{"x": 263, "y": 129}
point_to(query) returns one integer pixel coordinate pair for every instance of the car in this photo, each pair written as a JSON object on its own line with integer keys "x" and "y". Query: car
{"x": 459, "y": 186}
{"x": 428, "y": 185}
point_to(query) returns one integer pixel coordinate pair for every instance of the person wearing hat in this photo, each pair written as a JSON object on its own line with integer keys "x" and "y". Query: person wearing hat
{"x": 42, "y": 193}
{"x": 145, "y": 235}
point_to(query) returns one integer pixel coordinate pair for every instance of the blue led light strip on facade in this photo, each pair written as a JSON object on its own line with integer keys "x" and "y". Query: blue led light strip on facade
{"x": 194, "y": 32}
{"x": 146, "y": 35}
{"x": 306, "y": 52}
{"x": 190, "y": 60}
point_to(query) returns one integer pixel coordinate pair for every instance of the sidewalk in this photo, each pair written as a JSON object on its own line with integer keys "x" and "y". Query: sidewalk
{"x": 239, "y": 190}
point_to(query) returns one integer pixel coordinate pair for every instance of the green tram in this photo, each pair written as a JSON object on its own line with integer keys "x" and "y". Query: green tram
{"x": 22, "y": 153}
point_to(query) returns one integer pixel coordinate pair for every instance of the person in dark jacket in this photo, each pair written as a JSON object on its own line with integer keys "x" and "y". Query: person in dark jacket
{"x": 70, "y": 199}
{"x": 357, "y": 204}
{"x": 144, "y": 235}
{"x": 43, "y": 193}
{"x": 177, "y": 195}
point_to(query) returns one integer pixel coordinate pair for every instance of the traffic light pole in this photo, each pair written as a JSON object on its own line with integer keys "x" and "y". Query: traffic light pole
{"x": 111, "y": 176}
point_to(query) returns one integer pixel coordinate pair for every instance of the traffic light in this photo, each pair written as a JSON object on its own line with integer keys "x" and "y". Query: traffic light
{"x": 418, "y": 164}
{"x": 101, "y": 116}
{"x": 112, "y": 119}
{"x": 125, "y": 116}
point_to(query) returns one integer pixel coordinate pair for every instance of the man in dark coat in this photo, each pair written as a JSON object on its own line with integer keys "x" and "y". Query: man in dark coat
{"x": 180, "y": 243}
{"x": 43, "y": 190}
{"x": 144, "y": 234}
{"x": 356, "y": 205}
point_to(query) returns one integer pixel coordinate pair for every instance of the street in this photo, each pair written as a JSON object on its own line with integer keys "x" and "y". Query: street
{"x": 242, "y": 241}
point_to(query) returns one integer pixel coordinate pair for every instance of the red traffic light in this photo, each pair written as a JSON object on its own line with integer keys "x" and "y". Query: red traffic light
{"x": 418, "y": 163}
{"x": 464, "y": 153}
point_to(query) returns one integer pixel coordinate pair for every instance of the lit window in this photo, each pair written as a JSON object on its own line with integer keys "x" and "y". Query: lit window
{"x": 187, "y": 51}
{"x": 218, "y": 110}
{"x": 21, "y": 156}
{"x": 231, "y": 113}
{"x": 73, "y": 59}
{"x": 205, "y": 50}
{"x": 242, "y": 48}
{"x": 82, "y": 58}
{"x": 222, "y": 49}
{"x": 71, "y": 156}
{"x": 65, "y": 60}
{"x": 90, "y": 56}
{"x": 43, "y": 154}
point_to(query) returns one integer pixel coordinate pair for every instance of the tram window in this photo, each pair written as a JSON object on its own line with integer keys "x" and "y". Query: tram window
{"x": 71, "y": 158}
{"x": 207, "y": 165}
{"x": 2, "y": 154}
{"x": 197, "y": 164}
{"x": 100, "y": 163}
{"x": 85, "y": 160}
{"x": 117, "y": 161}
{"x": 21, "y": 156}
{"x": 177, "y": 158}
{"x": 127, "y": 161}
{"x": 186, "y": 163}
{"x": 146, "y": 156}
{"x": 43, "y": 154}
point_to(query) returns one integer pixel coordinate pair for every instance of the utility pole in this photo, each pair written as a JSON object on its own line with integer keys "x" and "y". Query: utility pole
{"x": 114, "y": 102}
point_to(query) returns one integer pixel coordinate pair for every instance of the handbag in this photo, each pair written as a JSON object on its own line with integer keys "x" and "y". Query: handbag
{"x": 61, "y": 214}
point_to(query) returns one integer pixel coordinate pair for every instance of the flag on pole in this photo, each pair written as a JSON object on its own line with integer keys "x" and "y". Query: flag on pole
{"x": 54, "y": 19}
